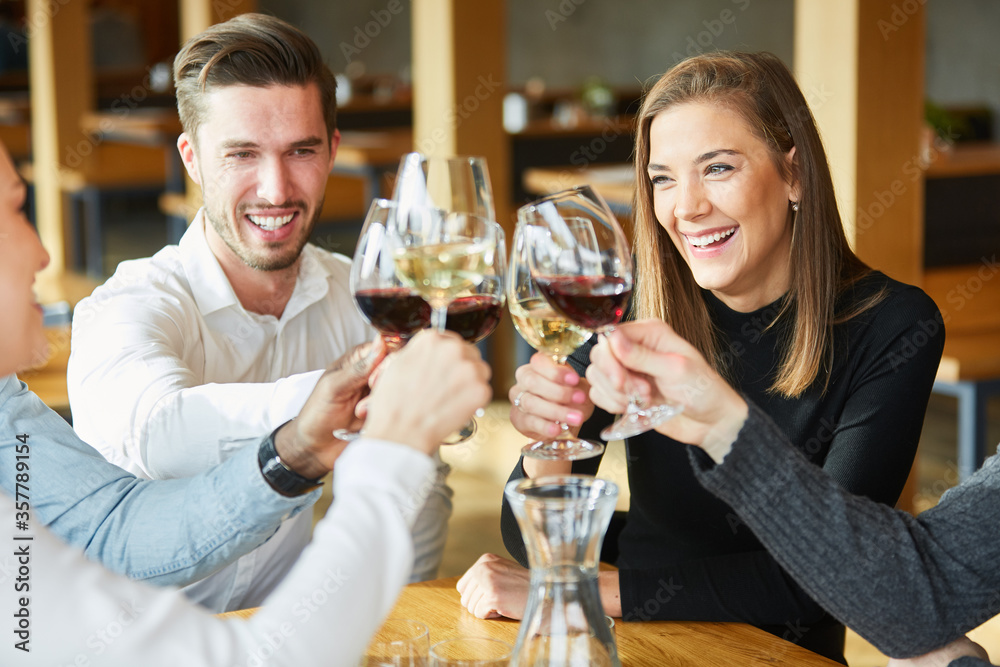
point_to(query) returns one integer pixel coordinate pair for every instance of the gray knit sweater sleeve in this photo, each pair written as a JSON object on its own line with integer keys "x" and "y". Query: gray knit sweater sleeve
{"x": 907, "y": 585}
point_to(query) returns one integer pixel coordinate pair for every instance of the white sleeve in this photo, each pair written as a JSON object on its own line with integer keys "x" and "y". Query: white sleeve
{"x": 322, "y": 615}
{"x": 136, "y": 400}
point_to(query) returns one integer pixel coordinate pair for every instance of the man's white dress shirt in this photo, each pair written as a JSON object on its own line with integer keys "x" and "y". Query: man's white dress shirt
{"x": 169, "y": 375}
{"x": 72, "y": 611}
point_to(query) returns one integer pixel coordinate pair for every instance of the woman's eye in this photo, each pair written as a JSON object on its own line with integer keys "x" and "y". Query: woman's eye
{"x": 717, "y": 169}
{"x": 659, "y": 180}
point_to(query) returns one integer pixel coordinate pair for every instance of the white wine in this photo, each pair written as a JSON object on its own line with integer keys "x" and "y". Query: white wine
{"x": 544, "y": 329}
{"x": 439, "y": 272}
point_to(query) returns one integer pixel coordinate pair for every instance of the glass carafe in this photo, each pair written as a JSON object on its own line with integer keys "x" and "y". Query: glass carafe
{"x": 563, "y": 520}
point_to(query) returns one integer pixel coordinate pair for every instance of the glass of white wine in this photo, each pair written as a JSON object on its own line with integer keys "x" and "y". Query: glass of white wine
{"x": 445, "y": 237}
{"x": 548, "y": 332}
{"x": 442, "y": 255}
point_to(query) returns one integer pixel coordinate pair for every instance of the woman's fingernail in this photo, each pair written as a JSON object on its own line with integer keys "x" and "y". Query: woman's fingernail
{"x": 571, "y": 379}
{"x": 554, "y": 430}
{"x": 575, "y": 418}
{"x": 579, "y": 396}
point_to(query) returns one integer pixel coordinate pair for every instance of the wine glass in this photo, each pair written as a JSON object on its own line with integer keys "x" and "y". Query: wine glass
{"x": 446, "y": 234}
{"x": 581, "y": 262}
{"x": 400, "y": 642}
{"x": 394, "y": 310}
{"x": 470, "y": 652}
{"x": 548, "y": 332}
{"x": 452, "y": 184}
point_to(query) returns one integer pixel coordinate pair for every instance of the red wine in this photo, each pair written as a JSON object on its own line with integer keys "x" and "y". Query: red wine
{"x": 588, "y": 301}
{"x": 394, "y": 311}
{"x": 474, "y": 317}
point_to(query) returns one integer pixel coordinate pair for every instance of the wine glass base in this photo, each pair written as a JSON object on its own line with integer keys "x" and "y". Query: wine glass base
{"x": 463, "y": 434}
{"x": 640, "y": 421}
{"x": 564, "y": 449}
{"x": 345, "y": 435}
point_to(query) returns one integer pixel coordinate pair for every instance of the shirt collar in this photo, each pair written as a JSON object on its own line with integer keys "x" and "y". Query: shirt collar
{"x": 208, "y": 282}
{"x": 211, "y": 288}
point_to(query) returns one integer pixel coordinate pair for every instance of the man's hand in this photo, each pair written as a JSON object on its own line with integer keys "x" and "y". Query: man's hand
{"x": 306, "y": 444}
{"x": 495, "y": 587}
{"x": 430, "y": 390}
{"x": 942, "y": 657}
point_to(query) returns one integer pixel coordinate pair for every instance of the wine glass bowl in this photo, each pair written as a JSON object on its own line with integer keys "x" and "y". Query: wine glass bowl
{"x": 475, "y": 313}
{"x": 393, "y": 309}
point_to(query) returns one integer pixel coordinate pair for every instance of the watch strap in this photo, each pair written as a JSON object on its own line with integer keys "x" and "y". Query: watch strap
{"x": 280, "y": 477}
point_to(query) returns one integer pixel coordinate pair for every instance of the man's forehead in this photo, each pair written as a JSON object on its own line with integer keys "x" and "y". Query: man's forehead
{"x": 272, "y": 110}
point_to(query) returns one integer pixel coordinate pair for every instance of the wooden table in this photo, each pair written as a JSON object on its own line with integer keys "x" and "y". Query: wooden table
{"x": 614, "y": 182}
{"x": 653, "y": 643}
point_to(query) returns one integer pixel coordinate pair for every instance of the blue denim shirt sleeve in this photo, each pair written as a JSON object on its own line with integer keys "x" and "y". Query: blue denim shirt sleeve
{"x": 169, "y": 532}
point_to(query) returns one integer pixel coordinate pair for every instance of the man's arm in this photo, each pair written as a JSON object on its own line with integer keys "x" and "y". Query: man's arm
{"x": 136, "y": 378}
{"x": 168, "y": 532}
{"x": 323, "y": 614}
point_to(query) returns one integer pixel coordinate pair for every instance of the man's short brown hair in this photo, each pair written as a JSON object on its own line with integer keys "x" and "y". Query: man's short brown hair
{"x": 249, "y": 50}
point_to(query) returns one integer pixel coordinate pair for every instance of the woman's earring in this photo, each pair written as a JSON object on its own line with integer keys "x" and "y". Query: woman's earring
{"x": 795, "y": 206}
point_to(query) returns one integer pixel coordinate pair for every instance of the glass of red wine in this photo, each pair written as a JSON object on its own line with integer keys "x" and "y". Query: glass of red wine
{"x": 475, "y": 313}
{"x": 582, "y": 265}
{"x": 394, "y": 310}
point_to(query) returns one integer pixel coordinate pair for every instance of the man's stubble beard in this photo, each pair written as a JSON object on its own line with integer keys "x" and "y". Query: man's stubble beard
{"x": 228, "y": 236}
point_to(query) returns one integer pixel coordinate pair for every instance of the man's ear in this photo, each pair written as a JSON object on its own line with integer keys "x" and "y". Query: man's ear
{"x": 189, "y": 156}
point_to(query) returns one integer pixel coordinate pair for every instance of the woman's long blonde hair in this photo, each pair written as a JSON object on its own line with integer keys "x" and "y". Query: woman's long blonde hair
{"x": 763, "y": 92}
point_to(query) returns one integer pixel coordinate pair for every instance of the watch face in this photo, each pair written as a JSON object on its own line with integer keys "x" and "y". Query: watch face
{"x": 279, "y": 477}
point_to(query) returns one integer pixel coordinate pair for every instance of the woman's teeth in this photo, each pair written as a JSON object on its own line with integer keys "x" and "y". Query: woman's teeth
{"x": 707, "y": 239}
{"x": 270, "y": 223}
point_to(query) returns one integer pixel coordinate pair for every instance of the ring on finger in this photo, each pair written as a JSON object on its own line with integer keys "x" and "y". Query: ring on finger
{"x": 517, "y": 401}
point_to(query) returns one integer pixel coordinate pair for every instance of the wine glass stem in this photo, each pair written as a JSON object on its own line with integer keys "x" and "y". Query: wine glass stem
{"x": 393, "y": 343}
{"x": 560, "y": 360}
{"x": 438, "y": 318}
{"x": 635, "y": 400}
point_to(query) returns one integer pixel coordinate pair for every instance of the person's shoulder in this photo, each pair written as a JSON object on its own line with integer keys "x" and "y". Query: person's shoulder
{"x": 135, "y": 282}
{"x": 894, "y": 298}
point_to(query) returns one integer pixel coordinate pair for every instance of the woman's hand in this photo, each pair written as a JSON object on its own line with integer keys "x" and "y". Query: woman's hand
{"x": 494, "y": 587}
{"x": 649, "y": 358}
{"x": 961, "y": 647}
{"x": 546, "y": 393}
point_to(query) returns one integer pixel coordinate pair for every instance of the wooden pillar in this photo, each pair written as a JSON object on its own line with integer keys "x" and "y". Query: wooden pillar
{"x": 861, "y": 66}
{"x": 459, "y": 81}
{"x": 196, "y": 15}
{"x": 62, "y": 89}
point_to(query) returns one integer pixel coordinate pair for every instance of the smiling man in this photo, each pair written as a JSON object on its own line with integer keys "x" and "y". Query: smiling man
{"x": 182, "y": 359}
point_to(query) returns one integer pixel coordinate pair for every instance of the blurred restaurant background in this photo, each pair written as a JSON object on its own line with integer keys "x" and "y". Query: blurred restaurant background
{"x": 906, "y": 94}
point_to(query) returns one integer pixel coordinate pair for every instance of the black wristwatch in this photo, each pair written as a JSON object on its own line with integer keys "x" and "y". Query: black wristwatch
{"x": 282, "y": 479}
